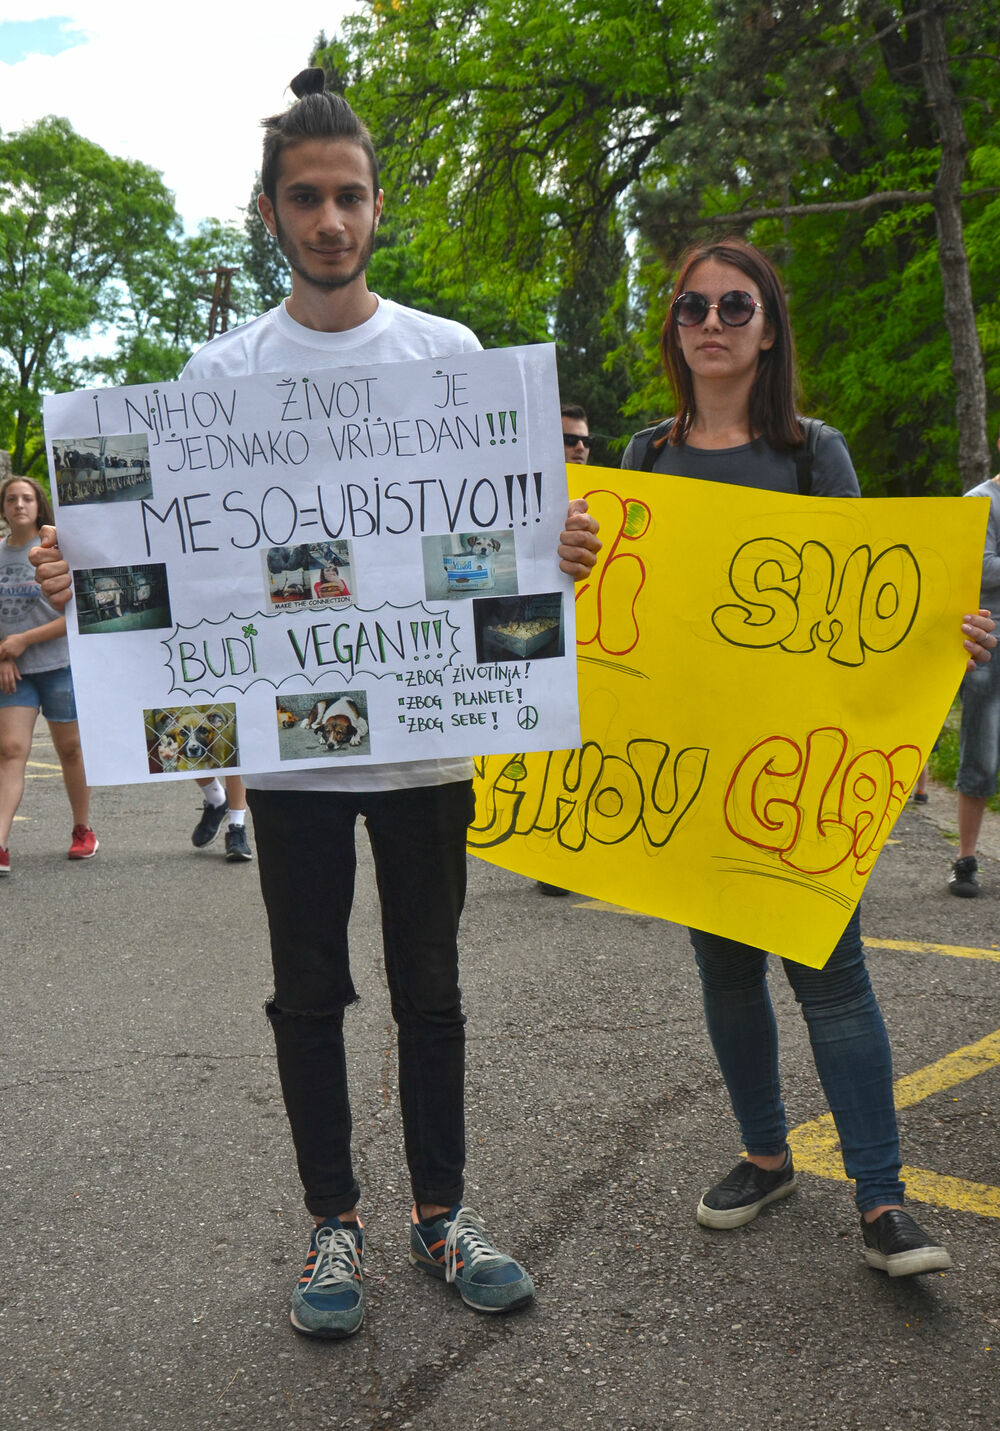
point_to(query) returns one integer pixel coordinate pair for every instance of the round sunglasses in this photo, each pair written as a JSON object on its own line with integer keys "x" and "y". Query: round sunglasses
{"x": 735, "y": 309}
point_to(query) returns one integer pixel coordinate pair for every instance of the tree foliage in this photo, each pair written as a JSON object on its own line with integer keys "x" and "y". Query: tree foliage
{"x": 521, "y": 143}
{"x": 265, "y": 263}
{"x": 89, "y": 242}
{"x": 163, "y": 305}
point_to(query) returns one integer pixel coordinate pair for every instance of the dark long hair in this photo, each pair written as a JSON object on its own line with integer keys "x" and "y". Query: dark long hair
{"x": 773, "y": 411}
{"x": 45, "y": 517}
{"x": 316, "y": 114}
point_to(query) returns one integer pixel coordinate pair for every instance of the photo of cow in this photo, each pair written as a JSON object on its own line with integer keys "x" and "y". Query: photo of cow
{"x": 101, "y": 469}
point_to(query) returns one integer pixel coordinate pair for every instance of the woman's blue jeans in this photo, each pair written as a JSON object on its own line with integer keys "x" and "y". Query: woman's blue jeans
{"x": 849, "y": 1044}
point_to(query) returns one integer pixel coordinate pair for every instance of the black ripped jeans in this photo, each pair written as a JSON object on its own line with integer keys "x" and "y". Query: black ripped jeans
{"x": 306, "y": 857}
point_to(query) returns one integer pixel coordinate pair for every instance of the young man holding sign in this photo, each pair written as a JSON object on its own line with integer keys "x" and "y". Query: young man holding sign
{"x": 322, "y": 203}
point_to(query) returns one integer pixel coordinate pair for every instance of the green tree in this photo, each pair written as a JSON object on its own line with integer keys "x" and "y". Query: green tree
{"x": 163, "y": 305}
{"x": 511, "y": 136}
{"x": 77, "y": 229}
{"x": 266, "y": 268}
{"x": 849, "y": 136}
{"x": 588, "y": 322}
{"x": 889, "y": 113}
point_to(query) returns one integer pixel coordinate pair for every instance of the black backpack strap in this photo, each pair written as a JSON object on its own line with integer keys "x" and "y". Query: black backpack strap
{"x": 804, "y": 456}
{"x": 655, "y": 444}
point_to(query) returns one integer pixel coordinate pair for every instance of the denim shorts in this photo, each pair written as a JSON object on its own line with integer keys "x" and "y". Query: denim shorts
{"x": 51, "y": 692}
{"x": 979, "y": 737}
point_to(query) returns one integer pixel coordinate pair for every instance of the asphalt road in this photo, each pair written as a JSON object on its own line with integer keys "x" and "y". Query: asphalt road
{"x": 152, "y": 1222}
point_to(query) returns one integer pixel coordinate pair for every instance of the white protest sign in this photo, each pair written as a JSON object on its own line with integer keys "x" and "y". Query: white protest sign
{"x": 292, "y": 570}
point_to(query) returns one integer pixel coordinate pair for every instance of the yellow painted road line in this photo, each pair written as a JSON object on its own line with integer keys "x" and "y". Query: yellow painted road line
{"x": 948, "y": 1072}
{"x": 43, "y": 765}
{"x": 913, "y": 946}
{"x": 815, "y": 1145}
{"x": 956, "y": 1193}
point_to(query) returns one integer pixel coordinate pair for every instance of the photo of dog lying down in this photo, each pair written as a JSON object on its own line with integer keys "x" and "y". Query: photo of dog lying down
{"x": 331, "y": 721}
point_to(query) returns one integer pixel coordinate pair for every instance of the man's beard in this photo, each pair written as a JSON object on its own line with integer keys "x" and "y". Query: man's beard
{"x": 328, "y": 283}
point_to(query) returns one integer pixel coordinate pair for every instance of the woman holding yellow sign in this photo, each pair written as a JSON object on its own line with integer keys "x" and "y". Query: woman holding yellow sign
{"x": 728, "y": 352}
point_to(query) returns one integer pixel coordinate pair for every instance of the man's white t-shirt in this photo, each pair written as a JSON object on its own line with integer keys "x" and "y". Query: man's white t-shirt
{"x": 274, "y": 343}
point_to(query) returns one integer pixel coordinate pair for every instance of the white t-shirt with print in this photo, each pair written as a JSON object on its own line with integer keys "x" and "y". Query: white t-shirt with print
{"x": 273, "y": 343}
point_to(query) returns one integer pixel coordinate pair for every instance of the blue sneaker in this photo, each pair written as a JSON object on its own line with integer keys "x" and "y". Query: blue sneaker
{"x": 330, "y": 1298}
{"x": 207, "y": 827}
{"x": 455, "y": 1248}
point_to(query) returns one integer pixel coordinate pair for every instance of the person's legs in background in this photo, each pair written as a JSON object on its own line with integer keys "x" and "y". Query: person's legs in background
{"x": 978, "y": 764}
{"x": 17, "y": 724}
{"x": 227, "y": 803}
{"x": 66, "y": 739}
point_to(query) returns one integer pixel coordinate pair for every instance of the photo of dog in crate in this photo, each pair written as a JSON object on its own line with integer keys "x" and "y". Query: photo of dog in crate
{"x": 180, "y": 739}
{"x": 459, "y": 565}
{"x": 331, "y": 723}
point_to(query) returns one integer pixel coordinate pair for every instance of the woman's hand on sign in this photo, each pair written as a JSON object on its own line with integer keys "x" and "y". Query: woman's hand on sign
{"x": 578, "y": 542}
{"x": 979, "y": 642}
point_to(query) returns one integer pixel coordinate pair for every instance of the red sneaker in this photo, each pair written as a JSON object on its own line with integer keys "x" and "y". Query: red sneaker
{"x": 84, "y": 845}
{"x": 4, "y": 861}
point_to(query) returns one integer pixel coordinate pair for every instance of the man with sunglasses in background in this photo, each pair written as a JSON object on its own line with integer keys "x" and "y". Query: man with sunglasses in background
{"x": 576, "y": 432}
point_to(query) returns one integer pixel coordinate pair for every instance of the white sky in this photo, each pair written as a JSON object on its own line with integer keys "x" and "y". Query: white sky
{"x": 182, "y": 87}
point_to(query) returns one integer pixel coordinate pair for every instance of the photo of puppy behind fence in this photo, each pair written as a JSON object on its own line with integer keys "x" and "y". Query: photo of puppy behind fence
{"x": 198, "y": 739}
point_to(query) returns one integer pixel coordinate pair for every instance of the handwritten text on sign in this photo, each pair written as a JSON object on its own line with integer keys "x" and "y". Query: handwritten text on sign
{"x": 761, "y": 680}
{"x": 303, "y": 569}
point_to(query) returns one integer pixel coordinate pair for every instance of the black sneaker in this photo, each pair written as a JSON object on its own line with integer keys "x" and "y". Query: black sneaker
{"x": 741, "y": 1195}
{"x": 895, "y": 1244}
{"x": 207, "y": 827}
{"x": 962, "y": 880}
{"x": 237, "y": 844}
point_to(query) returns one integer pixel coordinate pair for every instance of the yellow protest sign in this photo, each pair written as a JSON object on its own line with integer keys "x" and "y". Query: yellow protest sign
{"x": 762, "y": 678}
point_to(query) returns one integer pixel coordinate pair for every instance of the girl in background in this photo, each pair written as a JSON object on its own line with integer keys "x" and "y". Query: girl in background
{"x": 34, "y": 671}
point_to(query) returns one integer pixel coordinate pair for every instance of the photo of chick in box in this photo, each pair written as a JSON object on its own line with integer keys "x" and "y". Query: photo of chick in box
{"x": 459, "y": 565}
{"x": 519, "y": 627}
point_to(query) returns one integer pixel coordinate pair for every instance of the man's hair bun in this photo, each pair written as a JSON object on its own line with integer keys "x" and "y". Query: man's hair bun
{"x": 311, "y": 81}
{"x": 318, "y": 113}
